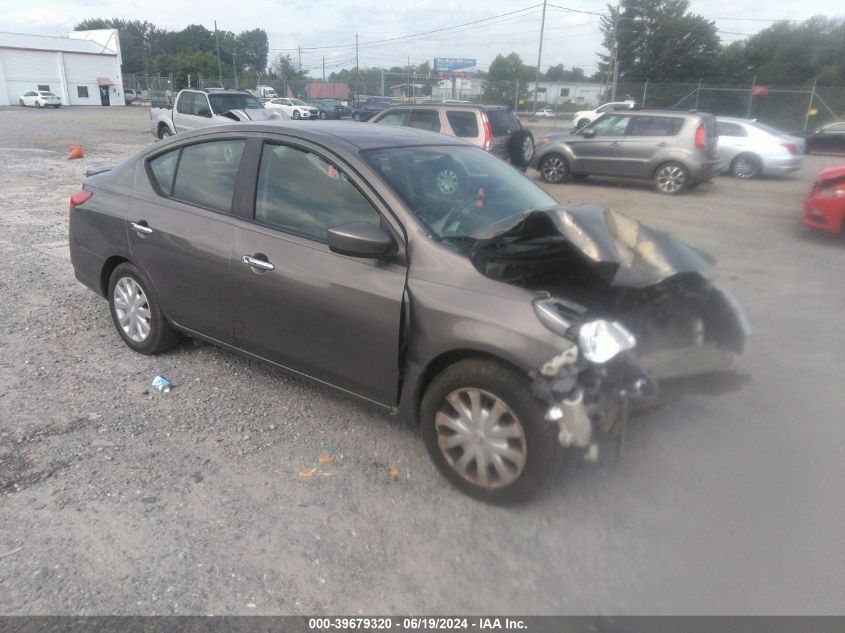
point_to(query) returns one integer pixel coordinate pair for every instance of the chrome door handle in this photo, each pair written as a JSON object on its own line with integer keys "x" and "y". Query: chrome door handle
{"x": 257, "y": 263}
{"x": 140, "y": 228}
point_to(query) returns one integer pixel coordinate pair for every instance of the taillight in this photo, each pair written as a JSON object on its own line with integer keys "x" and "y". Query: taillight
{"x": 789, "y": 147}
{"x": 488, "y": 133}
{"x": 78, "y": 198}
{"x": 700, "y": 136}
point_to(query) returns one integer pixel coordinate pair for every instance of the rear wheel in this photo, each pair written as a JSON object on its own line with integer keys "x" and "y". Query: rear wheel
{"x": 671, "y": 178}
{"x": 324, "y": 116}
{"x": 485, "y": 432}
{"x": 164, "y": 131}
{"x": 356, "y": 116}
{"x": 136, "y": 313}
{"x": 521, "y": 148}
{"x": 296, "y": 114}
{"x": 746, "y": 166}
{"x": 554, "y": 168}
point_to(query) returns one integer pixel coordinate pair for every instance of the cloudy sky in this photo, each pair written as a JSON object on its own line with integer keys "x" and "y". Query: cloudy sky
{"x": 326, "y": 28}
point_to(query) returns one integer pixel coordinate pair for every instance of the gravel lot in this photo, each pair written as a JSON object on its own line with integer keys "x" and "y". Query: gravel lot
{"x": 117, "y": 500}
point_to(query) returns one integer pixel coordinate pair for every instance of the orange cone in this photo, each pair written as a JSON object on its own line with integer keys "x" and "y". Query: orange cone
{"x": 76, "y": 152}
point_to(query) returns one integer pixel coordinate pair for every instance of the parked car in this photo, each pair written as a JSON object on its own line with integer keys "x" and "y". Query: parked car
{"x": 294, "y": 108}
{"x": 828, "y": 138}
{"x": 197, "y": 107}
{"x": 546, "y": 113}
{"x": 265, "y": 93}
{"x": 492, "y": 128}
{"x": 130, "y": 95}
{"x": 825, "y": 207}
{"x": 583, "y": 117}
{"x": 366, "y": 111}
{"x": 502, "y": 322}
{"x": 749, "y": 148}
{"x": 675, "y": 149}
{"x": 333, "y": 108}
{"x": 40, "y": 99}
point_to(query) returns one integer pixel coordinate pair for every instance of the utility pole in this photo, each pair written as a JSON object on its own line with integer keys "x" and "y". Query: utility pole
{"x": 751, "y": 97}
{"x": 324, "y": 69}
{"x": 539, "y": 57}
{"x": 355, "y": 89}
{"x": 382, "y": 81}
{"x": 408, "y": 94}
{"x": 235, "y": 71}
{"x": 219, "y": 65}
{"x": 299, "y": 48}
{"x": 615, "y": 52}
{"x": 810, "y": 106}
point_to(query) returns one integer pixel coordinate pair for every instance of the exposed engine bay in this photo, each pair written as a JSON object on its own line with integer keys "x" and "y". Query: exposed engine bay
{"x": 641, "y": 293}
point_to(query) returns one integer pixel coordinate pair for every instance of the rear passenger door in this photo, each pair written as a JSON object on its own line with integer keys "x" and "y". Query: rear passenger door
{"x": 180, "y": 231}
{"x": 424, "y": 120}
{"x": 733, "y": 138}
{"x": 649, "y": 140}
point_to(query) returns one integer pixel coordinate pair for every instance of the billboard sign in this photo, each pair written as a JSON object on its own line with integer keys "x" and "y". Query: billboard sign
{"x": 453, "y": 64}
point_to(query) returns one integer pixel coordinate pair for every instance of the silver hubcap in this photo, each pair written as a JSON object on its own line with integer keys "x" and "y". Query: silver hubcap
{"x": 745, "y": 168}
{"x": 527, "y": 149}
{"x": 132, "y": 309}
{"x": 481, "y": 438}
{"x": 554, "y": 169}
{"x": 447, "y": 181}
{"x": 670, "y": 179}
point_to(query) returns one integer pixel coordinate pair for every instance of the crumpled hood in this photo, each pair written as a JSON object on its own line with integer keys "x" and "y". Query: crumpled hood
{"x": 621, "y": 250}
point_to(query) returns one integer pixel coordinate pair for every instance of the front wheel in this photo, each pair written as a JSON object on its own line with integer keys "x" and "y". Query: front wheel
{"x": 20, "y": 101}
{"x": 164, "y": 132}
{"x": 39, "y": 104}
{"x": 486, "y": 432}
{"x": 582, "y": 123}
{"x": 296, "y": 115}
{"x": 554, "y": 168}
{"x": 324, "y": 116}
{"x": 671, "y": 179}
{"x": 136, "y": 313}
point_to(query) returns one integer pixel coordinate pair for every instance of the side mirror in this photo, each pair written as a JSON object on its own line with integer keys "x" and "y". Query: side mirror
{"x": 359, "y": 239}
{"x": 588, "y": 133}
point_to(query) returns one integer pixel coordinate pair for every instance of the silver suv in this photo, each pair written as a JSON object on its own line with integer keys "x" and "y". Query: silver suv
{"x": 678, "y": 150}
{"x": 492, "y": 128}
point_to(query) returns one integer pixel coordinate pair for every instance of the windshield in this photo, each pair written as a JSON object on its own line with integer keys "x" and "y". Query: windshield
{"x": 223, "y": 102}
{"x": 457, "y": 191}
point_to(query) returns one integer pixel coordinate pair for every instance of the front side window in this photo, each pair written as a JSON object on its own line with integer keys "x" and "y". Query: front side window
{"x": 610, "y": 125}
{"x": 207, "y": 173}
{"x": 464, "y": 124}
{"x": 425, "y": 120}
{"x": 200, "y": 106}
{"x": 393, "y": 118}
{"x": 300, "y": 192}
{"x": 186, "y": 103}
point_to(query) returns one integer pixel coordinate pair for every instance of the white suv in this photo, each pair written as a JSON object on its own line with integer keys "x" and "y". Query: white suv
{"x": 580, "y": 119}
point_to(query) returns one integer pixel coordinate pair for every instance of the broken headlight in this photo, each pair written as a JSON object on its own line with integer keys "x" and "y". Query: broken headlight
{"x": 601, "y": 340}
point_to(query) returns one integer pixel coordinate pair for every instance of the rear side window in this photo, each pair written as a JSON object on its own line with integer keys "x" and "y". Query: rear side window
{"x": 464, "y": 124}
{"x": 207, "y": 173}
{"x": 393, "y": 118}
{"x": 730, "y": 129}
{"x": 164, "y": 168}
{"x": 186, "y": 103}
{"x": 300, "y": 192}
{"x": 654, "y": 126}
{"x": 425, "y": 120}
{"x": 502, "y": 122}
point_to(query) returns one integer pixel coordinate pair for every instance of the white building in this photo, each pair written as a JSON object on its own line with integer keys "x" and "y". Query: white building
{"x": 560, "y": 92}
{"x": 82, "y": 68}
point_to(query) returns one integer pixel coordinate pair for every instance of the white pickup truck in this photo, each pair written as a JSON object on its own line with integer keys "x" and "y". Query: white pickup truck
{"x": 195, "y": 108}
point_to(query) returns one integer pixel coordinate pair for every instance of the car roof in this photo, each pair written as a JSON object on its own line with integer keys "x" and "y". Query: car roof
{"x": 351, "y": 134}
{"x": 217, "y": 91}
{"x": 451, "y": 106}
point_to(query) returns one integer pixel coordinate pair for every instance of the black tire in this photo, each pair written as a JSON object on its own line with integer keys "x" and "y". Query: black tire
{"x": 20, "y": 101}
{"x": 164, "y": 131}
{"x": 553, "y": 168}
{"x": 58, "y": 105}
{"x": 161, "y": 336}
{"x": 324, "y": 116}
{"x": 521, "y": 148}
{"x": 671, "y": 178}
{"x": 296, "y": 114}
{"x": 512, "y": 388}
{"x": 746, "y": 166}
{"x": 582, "y": 123}
{"x": 356, "y": 116}
{"x": 39, "y": 104}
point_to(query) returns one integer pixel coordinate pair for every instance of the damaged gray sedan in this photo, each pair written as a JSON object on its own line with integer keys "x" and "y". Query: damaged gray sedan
{"x": 411, "y": 270}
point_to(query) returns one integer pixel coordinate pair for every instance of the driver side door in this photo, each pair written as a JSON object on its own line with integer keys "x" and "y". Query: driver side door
{"x": 599, "y": 148}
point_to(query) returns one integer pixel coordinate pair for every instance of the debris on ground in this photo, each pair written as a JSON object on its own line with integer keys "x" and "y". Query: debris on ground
{"x": 393, "y": 472}
{"x": 161, "y": 384}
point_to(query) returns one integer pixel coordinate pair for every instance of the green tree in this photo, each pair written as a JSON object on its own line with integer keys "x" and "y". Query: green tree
{"x": 252, "y": 48}
{"x": 660, "y": 41}
{"x": 505, "y": 76}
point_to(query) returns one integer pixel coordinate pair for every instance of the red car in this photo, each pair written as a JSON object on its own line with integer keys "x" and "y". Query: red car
{"x": 825, "y": 208}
